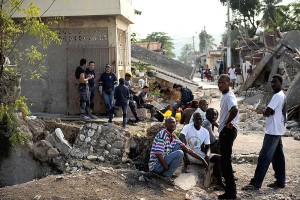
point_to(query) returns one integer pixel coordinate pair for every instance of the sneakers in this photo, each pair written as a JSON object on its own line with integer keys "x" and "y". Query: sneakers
{"x": 137, "y": 120}
{"x": 276, "y": 185}
{"x": 85, "y": 117}
{"x": 154, "y": 119}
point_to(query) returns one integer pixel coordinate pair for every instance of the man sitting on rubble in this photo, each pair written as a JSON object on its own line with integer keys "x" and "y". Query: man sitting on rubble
{"x": 187, "y": 113}
{"x": 144, "y": 101}
{"x": 209, "y": 123}
{"x": 167, "y": 152}
{"x": 203, "y": 105}
{"x": 194, "y": 135}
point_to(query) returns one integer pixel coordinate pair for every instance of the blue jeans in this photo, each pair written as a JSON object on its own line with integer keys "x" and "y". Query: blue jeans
{"x": 108, "y": 99}
{"x": 124, "y": 109}
{"x": 272, "y": 151}
{"x": 173, "y": 160}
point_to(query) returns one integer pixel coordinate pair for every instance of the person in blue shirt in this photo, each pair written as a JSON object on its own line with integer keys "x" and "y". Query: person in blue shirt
{"x": 107, "y": 83}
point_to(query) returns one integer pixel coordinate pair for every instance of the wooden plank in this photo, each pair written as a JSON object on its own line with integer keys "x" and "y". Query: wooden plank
{"x": 259, "y": 67}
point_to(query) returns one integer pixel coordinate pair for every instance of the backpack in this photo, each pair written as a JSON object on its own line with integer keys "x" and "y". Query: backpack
{"x": 191, "y": 96}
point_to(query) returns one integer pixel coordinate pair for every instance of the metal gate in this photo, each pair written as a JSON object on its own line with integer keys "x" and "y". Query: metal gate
{"x": 101, "y": 56}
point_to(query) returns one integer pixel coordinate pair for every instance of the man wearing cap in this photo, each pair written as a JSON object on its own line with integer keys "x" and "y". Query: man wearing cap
{"x": 132, "y": 106}
{"x": 108, "y": 80}
{"x": 143, "y": 102}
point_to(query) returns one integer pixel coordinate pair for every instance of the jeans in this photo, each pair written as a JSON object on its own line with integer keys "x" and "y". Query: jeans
{"x": 151, "y": 108}
{"x": 272, "y": 151}
{"x": 226, "y": 139}
{"x": 133, "y": 108}
{"x": 92, "y": 97}
{"x": 84, "y": 96}
{"x": 173, "y": 160}
{"x": 175, "y": 107}
{"x": 124, "y": 109}
{"x": 108, "y": 99}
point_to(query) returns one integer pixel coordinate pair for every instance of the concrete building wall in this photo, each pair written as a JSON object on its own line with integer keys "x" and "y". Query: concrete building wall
{"x": 83, "y": 8}
{"x": 54, "y": 93}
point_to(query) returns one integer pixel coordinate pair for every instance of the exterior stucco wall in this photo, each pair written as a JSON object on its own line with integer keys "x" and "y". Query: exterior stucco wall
{"x": 51, "y": 93}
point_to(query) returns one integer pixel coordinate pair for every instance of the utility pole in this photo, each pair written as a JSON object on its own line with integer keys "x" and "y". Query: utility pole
{"x": 193, "y": 62}
{"x": 228, "y": 36}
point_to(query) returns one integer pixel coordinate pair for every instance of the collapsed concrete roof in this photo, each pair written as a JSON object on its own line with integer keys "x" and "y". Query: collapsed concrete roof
{"x": 290, "y": 42}
{"x": 159, "y": 62}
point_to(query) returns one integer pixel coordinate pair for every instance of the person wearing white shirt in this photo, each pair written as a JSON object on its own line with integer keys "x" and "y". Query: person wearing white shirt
{"x": 272, "y": 148}
{"x": 227, "y": 134}
{"x": 232, "y": 75}
{"x": 194, "y": 136}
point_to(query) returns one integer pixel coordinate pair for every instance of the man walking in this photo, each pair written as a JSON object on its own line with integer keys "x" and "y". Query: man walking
{"x": 108, "y": 80}
{"x": 122, "y": 97}
{"x": 232, "y": 75}
{"x": 132, "y": 106}
{"x": 227, "y": 134}
{"x": 272, "y": 148}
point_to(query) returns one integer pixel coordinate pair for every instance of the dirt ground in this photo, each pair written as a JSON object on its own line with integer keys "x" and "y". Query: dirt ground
{"x": 124, "y": 183}
{"x": 109, "y": 183}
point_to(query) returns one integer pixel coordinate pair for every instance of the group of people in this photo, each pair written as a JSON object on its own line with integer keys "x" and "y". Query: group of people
{"x": 194, "y": 145}
{"x": 116, "y": 93}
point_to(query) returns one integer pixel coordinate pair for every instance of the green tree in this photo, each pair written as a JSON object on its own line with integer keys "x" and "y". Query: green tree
{"x": 245, "y": 13}
{"x": 206, "y": 41}
{"x": 287, "y": 16}
{"x": 269, "y": 18}
{"x": 164, "y": 39}
{"x": 31, "y": 25}
{"x": 187, "y": 54}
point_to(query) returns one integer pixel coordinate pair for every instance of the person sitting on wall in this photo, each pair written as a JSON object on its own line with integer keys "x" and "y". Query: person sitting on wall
{"x": 186, "y": 98}
{"x": 167, "y": 152}
{"x": 145, "y": 102}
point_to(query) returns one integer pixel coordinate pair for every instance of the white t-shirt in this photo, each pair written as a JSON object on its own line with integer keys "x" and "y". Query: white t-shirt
{"x": 227, "y": 102}
{"x": 231, "y": 73}
{"x": 203, "y": 115}
{"x": 195, "y": 139}
{"x": 275, "y": 124}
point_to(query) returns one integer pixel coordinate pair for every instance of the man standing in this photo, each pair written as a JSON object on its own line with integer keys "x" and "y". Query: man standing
{"x": 167, "y": 152}
{"x": 144, "y": 102}
{"x": 132, "y": 106}
{"x": 108, "y": 80}
{"x": 227, "y": 134}
{"x": 232, "y": 75}
{"x": 90, "y": 72}
{"x": 85, "y": 111}
{"x": 272, "y": 149}
{"x": 122, "y": 97}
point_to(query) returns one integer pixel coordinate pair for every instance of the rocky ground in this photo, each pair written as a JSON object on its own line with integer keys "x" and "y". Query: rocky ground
{"x": 94, "y": 178}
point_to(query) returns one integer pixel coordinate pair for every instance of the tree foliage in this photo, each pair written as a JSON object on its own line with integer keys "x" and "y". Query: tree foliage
{"x": 164, "y": 39}
{"x": 206, "y": 41}
{"x": 13, "y": 30}
{"x": 288, "y": 16}
{"x": 246, "y": 14}
{"x": 187, "y": 54}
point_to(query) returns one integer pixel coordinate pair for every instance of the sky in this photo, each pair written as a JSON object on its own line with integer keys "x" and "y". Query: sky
{"x": 181, "y": 19}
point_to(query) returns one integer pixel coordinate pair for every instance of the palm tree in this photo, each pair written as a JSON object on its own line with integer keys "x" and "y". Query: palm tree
{"x": 268, "y": 8}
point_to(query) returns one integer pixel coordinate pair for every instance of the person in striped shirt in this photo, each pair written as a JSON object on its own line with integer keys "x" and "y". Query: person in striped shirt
{"x": 167, "y": 152}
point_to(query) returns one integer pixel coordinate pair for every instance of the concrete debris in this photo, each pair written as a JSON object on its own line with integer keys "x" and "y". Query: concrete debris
{"x": 197, "y": 193}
